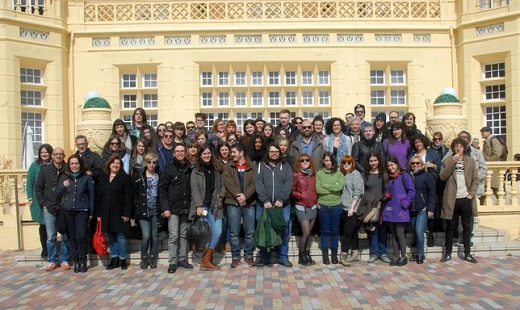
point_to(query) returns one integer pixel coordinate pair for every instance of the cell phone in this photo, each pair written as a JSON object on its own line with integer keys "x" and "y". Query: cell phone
{"x": 204, "y": 213}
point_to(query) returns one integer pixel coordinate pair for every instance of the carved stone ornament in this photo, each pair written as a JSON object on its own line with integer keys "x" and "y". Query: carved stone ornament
{"x": 145, "y": 41}
{"x": 177, "y": 40}
{"x": 213, "y": 40}
{"x": 388, "y": 38}
{"x": 282, "y": 38}
{"x": 33, "y": 34}
{"x": 248, "y": 39}
{"x": 101, "y": 42}
{"x": 350, "y": 38}
{"x": 422, "y": 38}
{"x": 315, "y": 38}
{"x": 490, "y": 29}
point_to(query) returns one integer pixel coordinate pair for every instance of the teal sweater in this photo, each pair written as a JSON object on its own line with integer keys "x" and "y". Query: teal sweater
{"x": 329, "y": 186}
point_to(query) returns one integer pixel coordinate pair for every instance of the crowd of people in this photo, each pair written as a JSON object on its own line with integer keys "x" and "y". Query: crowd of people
{"x": 344, "y": 179}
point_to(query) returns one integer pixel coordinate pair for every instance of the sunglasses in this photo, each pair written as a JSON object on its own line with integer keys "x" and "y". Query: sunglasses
{"x": 415, "y": 163}
{"x": 161, "y": 129}
{"x": 168, "y": 136}
{"x": 114, "y": 143}
{"x": 306, "y": 127}
{"x": 303, "y": 160}
{"x": 437, "y": 139}
{"x": 298, "y": 123}
{"x": 190, "y": 127}
{"x": 232, "y": 140}
{"x": 153, "y": 162}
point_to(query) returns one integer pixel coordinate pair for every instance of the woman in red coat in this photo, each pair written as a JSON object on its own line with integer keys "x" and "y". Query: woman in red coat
{"x": 305, "y": 199}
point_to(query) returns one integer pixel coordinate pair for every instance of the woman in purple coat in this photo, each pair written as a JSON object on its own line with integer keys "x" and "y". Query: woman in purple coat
{"x": 397, "y": 144}
{"x": 399, "y": 195}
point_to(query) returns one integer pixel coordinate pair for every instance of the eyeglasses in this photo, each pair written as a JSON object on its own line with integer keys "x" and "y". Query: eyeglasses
{"x": 303, "y": 160}
{"x": 153, "y": 162}
{"x": 298, "y": 123}
{"x": 190, "y": 127}
{"x": 58, "y": 154}
{"x": 346, "y": 163}
{"x": 437, "y": 139}
{"x": 168, "y": 136}
{"x": 232, "y": 140}
{"x": 114, "y": 143}
{"x": 306, "y": 127}
{"x": 169, "y": 126}
{"x": 161, "y": 129}
{"x": 415, "y": 163}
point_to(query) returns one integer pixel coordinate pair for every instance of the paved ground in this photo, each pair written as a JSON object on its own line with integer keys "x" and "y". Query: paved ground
{"x": 493, "y": 283}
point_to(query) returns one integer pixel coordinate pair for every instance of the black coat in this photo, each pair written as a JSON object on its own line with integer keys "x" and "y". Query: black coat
{"x": 46, "y": 186}
{"x": 175, "y": 189}
{"x": 93, "y": 162}
{"x": 140, "y": 204}
{"x": 425, "y": 193}
{"x": 114, "y": 200}
{"x": 361, "y": 150}
{"x": 79, "y": 195}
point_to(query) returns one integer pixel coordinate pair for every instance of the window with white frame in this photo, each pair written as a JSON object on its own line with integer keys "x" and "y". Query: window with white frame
{"x": 129, "y": 80}
{"x": 241, "y": 117}
{"x": 274, "y": 117}
{"x": 257, "y": 98}
{"x": 129, "y": 101}
{"x": 274, "y": 78}
{"x": 150, "y": 101}
{"x": 206, "y": 78}
{"x": 290, "y": 77}
{"x": 274, "y": 98}
{"x": 324, "y": 97}
{"x": 206, "y": 99}
{"x": 307, "y": 98}
{"x": 223, "y": 98}
{"x": 388, "y": 86}
{"x": 240, "y": 78}
{"x": 257, "y": 79}
{"x": 312, "y": 114}
{"x": 153, "y": 120}
{"x": 495, "y": 71}
{"x": 377, "y": 77}
{"x": 496, "y": 119}
{"x": 240, "y": 99}
{"x": 223, "y": 78}
{"x": 494, "y": 82}
{"x": 495, "y": 92}
{"x": 150, "y": 80}
{"x": 35, "y": 120}
{"x": 290, "y": 98}
{"x": 212, "y": 116}
{"x": 31, "y": 76}
{"x": 307, "y": 78}
{"x": 31, "y": 97}
{"x": 32, "y": 92}
{"x": 323, "y": 77}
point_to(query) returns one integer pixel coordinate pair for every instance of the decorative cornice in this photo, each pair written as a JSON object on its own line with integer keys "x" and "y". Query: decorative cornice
{"x": 490, "y": 29}
{"x": 388, "y": 38}
{"x": 248, "y": 39}
{"x": 282, "y": 38}
{"x": 316, "y": 38}
{"x": 33, "y": 34}
{"x": 177, "y": 40}
{"x": 427, "y": 38}
{"x": 142, "y": 41}
{"x": 212, "y": 40}
{"x": 350, "y": 38}
{"x": 100, "y": 42}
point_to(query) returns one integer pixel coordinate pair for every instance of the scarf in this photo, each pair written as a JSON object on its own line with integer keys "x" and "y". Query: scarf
{"x": 306, "y": 171}
{"x": 394, "y": 175}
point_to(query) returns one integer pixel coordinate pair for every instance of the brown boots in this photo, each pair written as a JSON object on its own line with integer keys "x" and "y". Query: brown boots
{"x": 207, "y": 260}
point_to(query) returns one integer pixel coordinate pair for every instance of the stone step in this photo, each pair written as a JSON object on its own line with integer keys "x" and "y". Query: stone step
{"x": 487, "y": 242}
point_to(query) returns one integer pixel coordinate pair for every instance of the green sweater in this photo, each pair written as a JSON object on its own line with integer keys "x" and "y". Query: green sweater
{"x": 329, "y": 186}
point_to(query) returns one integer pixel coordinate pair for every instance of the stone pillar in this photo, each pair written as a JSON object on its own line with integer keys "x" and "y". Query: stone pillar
{"x": 446, "y": 117}
{"x": 96, "y": 125}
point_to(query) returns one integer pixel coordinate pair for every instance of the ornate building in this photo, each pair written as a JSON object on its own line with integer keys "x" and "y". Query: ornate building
{"x": 246, "y": 59}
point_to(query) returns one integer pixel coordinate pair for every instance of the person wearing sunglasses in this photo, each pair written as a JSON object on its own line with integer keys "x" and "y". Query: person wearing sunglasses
{"x": 305, "y": 198}
{"x": 424, "y": 203}
{"x": 307, "y": 143}
{"x": 115, "y": 145}
{"x": 145, "y": 203}
{"x": 165, "y": 151}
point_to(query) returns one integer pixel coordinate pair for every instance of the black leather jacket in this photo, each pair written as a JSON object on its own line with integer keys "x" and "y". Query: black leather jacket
{"x": 174, "y": 187}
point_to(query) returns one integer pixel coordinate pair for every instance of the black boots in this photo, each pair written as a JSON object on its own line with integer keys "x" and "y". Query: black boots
{"x": 76, "y": 266}
{"x": 153, "y": 261}
{"x": 83, "y": 265}
{"x": 309, "y": 258}
{"x": 144, "y": 261}
{"x": 124, "y": 264}
{"x": 303, "y": 260}
{"x": 334, "y": 256}
{"x": 114, "y": 263}
{"x": 325, "y": 256}
{"x": 43, "y": 240}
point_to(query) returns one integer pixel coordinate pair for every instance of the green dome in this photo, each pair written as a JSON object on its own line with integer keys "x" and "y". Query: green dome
{"x": 99, "y": 103}
{"x": 446, "y": 98}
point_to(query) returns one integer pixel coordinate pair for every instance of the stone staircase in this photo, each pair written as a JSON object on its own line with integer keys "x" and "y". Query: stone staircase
{"x": 487, "y": 242}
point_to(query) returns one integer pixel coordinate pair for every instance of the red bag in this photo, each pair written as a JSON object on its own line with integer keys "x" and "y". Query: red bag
{"x": 99, "y": 242}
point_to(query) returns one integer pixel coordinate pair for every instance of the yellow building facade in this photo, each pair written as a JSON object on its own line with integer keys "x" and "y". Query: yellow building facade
{"x": 247, "y": 59}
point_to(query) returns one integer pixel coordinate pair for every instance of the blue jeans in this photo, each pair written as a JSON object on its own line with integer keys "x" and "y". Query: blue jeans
{"x": 150, "y": 232}
{"x": 77, "y": 222}
{"x": 283, "y": 249}
{"x": 50, "y": 225}
{"x": 329, "y": 225}
{"x": 216, "y": 228}
{"x": 117, "y": 244}
{"x": 235, "y": 216}
{"x": 419, "y": 221}
{"x": 378, "y": 240}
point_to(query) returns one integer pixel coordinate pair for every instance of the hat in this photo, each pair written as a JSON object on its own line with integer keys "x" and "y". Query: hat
{"x": 381, "y": 116}
{"x": 485, "y": 128}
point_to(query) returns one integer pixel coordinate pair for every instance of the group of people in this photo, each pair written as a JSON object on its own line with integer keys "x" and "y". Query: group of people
{"x": 357, "y": 179}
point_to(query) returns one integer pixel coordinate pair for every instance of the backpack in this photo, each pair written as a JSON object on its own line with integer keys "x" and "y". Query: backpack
{"x": 505, "y": 151}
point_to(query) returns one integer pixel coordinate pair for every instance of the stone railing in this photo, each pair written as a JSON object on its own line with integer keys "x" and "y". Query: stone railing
{"x": 259, "y": 10}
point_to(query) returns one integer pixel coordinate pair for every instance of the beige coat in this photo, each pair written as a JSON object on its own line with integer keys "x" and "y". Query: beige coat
{"x": 198, "y": 191}
{"x": 448, "y": 174}
{"x": 492, "y": 150}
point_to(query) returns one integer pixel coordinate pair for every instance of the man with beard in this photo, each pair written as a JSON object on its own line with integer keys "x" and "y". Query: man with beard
{"x": 274, "y": 181}
{"x": 307, "y": 143}
{"x": 368, "y": 144}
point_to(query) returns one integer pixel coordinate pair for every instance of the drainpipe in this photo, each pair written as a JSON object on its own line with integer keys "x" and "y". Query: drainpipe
{"x": 71, "y": 91}
{"x": 17, "y": 213}
{"x": 453, "y": 58}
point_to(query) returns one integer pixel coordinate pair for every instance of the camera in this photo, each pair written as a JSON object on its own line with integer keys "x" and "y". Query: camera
{"x": 386, "y": 198}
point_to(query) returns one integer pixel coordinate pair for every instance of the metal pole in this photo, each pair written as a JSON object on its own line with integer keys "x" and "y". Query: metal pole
{"x": 17, "y": 211}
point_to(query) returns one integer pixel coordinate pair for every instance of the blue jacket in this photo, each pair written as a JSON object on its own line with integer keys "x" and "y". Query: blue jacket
{"x": 396, "y": 210}
{"x": 425, "y": 191}
{"x": 432, "y": 157}
{"x": 80, "y": 195}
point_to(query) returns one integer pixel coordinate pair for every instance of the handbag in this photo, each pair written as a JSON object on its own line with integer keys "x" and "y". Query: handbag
{"x": 199, "y": 228}
{"x": 99, "y": 242}
{"x": 61, "y": 224}
{"x": 376, "y": 213}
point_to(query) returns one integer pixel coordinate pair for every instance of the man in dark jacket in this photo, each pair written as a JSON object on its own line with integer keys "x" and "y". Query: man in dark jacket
{"x": 240, "y": 200}
{"x": 175, "y": 197}
{"x": 286, "y": 124}
{"x": 307, "y": 143}
{"x": 46, "y": 188}
{"x": 273, "y": 181}
{"x": 368, "y": 144}
{"x": 93, "y": 162}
